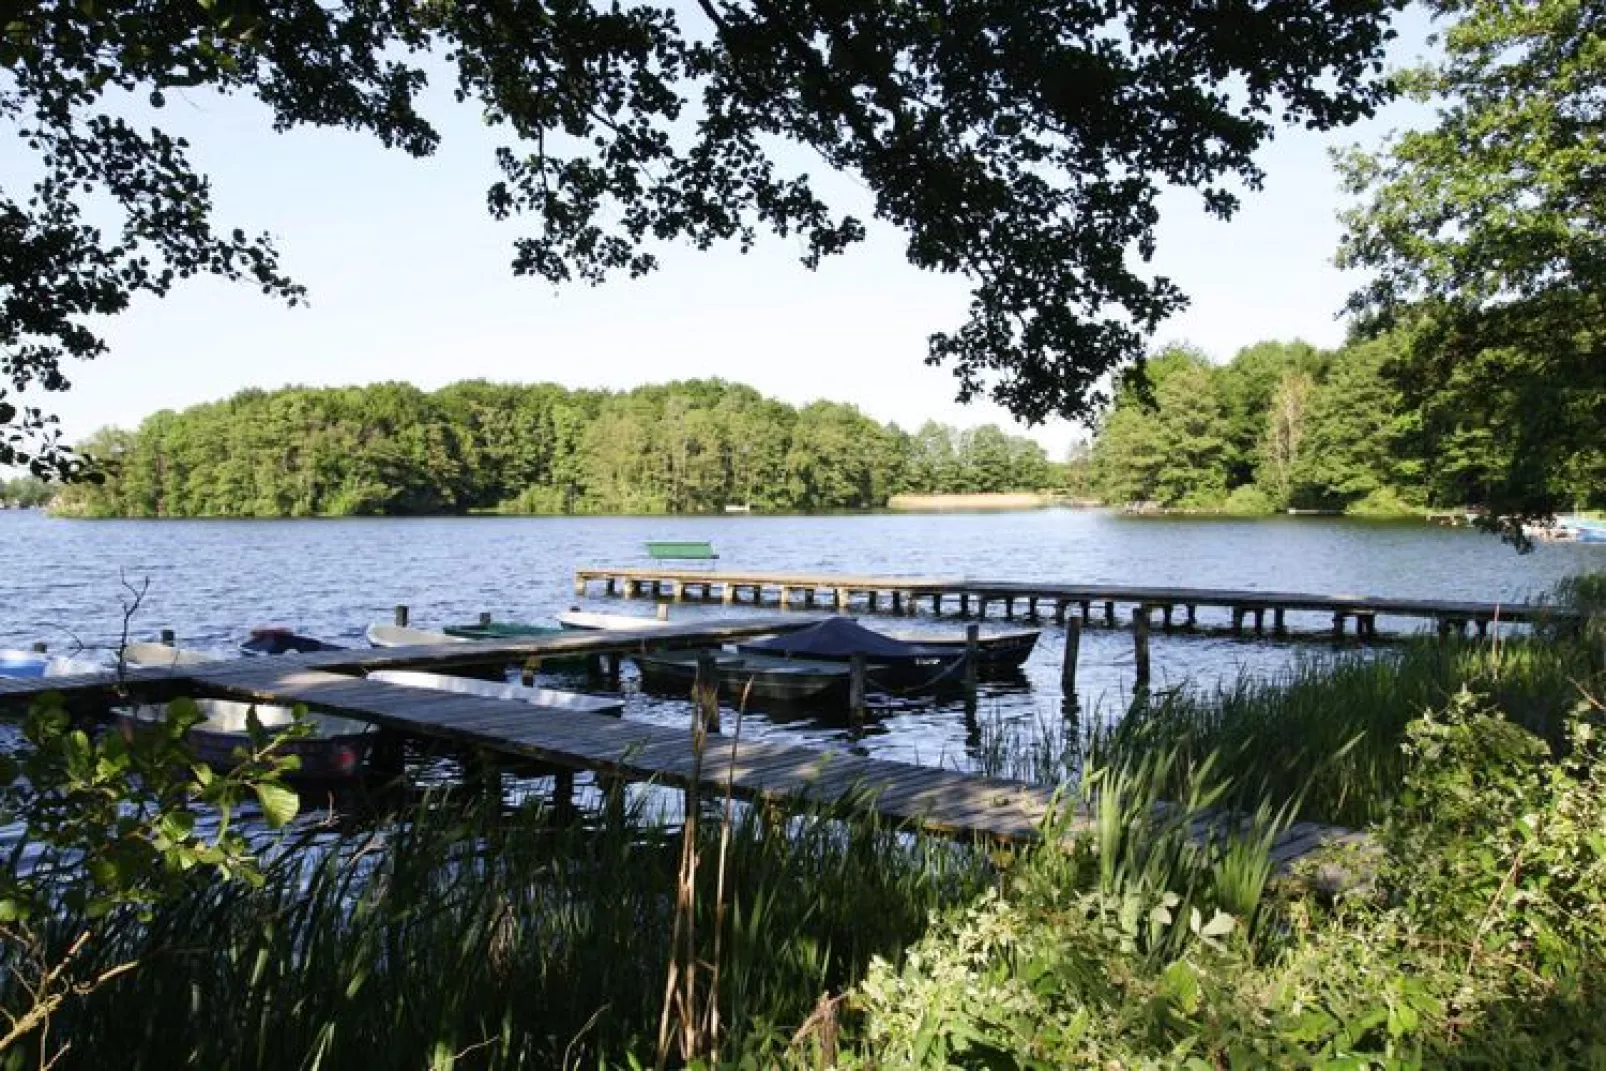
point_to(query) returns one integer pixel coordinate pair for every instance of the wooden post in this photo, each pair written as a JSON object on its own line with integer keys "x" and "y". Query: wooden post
{"x": 1260, "y": 620}
{"x": 1338, "y": 624}
{"x": 1109, "y": 614}
{"x": 1059, "y": 611}
{"x": 402, "y": 615}
{"x": 167, "y": 637}
{"x": 1140, "y": 644}
{"x": 610, "y": 669}
{"x": 677, "y": 590}
{"x": 1009, "y": 609}
{"x": 972, "y": 658}
{"x": 856, "y": 688}
{"x": 1237, "y": 620}
{"x": 485, "y": 618}
{"x": 1073, "y": 647}
{"x": 563, "y": 797}
{"x": 786, "y": 598}
{"x": 1193, "y": 615}
{"x": 897, "y": 604}
{"x": 981, "y": 606}
{"x": 1087, "y": 611}
{"x": 1483, "y": 630}
{"x": 40, "y": 646}
{"x": 728, "y": 594}
{"x": 1277, "y": 624}
{"x": 1166, "y": 610}
{"x": 871, "y": 597}
{"x": 841, "y": 600}
{"x": 1031, "y": 607}
{"x": 607, "y": 586}
{"x": 964, "y": 604}
{"x": 936, "y": 604}
{"x": 706, "y": 701}
{"x": 808, "y": 597}
{"x": 663, "y": 611}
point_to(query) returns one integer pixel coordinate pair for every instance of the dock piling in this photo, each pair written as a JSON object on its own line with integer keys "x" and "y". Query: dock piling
{"x": 706, "y": 692}
{"x": 485, "y": 618}
{"x": 1073, "y": 647}
{"x": 972, "y": 658}
{"x": 40, "y": 646}
{"x": 856, "y": 687}
{"x": 1140, "y": 644}
{"x": 402, "y": 616}
{"x": 167, "y": 637}
{"x": 1109, "y": 614}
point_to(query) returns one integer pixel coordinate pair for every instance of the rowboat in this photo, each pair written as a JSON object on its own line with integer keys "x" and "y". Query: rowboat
{"x": 515, "y": 630}
{"x": 583, "y": 619}
{"x": 403, "y": 636}
{"x": 33, "y": 664}
{"x": 272, "y": 640}
{"x": 546, "y": 699}
{"x": 336, "y": 748}
{"x": 786, "y": 680}
{"x": 890, "y": 663}
{"x": 1001, "y": 650}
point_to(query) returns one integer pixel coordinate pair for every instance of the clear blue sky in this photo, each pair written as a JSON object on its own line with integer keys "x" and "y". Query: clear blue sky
{"x": 409, "y": 279}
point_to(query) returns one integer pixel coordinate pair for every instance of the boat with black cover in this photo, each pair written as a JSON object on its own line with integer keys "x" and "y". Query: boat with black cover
{"x": 763, "y": 677}
{"x": 890, "y": 663}
{"x": 274, "y": 640}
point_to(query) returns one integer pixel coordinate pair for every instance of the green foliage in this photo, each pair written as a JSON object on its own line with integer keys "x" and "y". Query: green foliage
{"x": 25, "y": 492}
{"x": 1484, "y": 235}
{"x": 1247, "y": 500}
{"x": 690, "y": 446}
{"x": 1043, "y": 190}
{"x": 1478, "y": 940}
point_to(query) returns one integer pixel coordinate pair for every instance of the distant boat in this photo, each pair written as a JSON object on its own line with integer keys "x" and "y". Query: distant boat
{"x": 337, "y": 748}
{"x": 403, "y": 636}
{"x": 163, "y": 656}
{"x": 272, "y": 640}
{"x": 544, "y": 698}
{"x": 36, "y": 664}
{"x": 581, "y": 619}
{"x": 787, "y": 680}
{"x": 1584, "y": 529}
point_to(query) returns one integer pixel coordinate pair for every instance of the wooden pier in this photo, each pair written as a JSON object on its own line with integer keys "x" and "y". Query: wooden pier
{"x": 934, "y": 799}
{"x": 1035, "y": 600}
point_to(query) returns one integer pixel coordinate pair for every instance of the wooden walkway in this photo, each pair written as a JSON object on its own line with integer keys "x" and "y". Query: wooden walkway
{"x": 934, "y": 799}
{"x": 904, "y": 595}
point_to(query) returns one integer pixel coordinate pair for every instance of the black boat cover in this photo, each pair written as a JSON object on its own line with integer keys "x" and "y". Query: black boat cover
{"x": 843, "y": 637}
{"x": 274, "y": 641}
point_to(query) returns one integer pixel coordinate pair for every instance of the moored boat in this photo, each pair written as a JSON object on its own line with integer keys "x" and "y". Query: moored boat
{"x": 34, "y": 664}
{"x": 787, "y": 680}
{"x": 162, "y": 656}
{"x": 516, "y": 630}
{"x": 337, "y": 747}
{"x": 891, "y": 663}
{"x": 584, "y": 619}
{"x": 547, "y": 699}
{"x": 1001, "y": 650}
{"x": 404, "y": 636}
{"x": 273, "y": 640}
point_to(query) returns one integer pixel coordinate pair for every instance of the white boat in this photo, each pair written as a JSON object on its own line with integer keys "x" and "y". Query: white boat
{"x": 544, "y": 698}
{"x": 584, "y": 619}
{"x": 33, "y": 664}
{"x": 161, "y": 656}
{"x": 404, "y": 636}
{"x": 336, "y": 748}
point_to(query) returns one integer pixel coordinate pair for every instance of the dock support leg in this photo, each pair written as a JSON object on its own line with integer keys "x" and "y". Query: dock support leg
{"x": 972, "y": 659}
{"x": 808, "y": 597}
{"x": 841, "y": 600}
{"x": 1483, "y": 627}
{"x": 1109, "y": 613}
{"x": 897, "y": 603}
{"x": 936, "y": 604}
{"x": 1277, "y": 624}
{"x": 608, "y": 586}
{"x": 1260, "y": 621}
{"x": 728, "y": 594}
{"x": 706, "y": 692}
{"x": 1009, "y": 609}
{"x": 964, "y": 604}
{"x": 1087, "y": 611}
{"x": 401, "y": 618}
{"x": 563, "y": 797}
{"x": 871, "y": 598}
{"x": 1166, "y": 610}
{"x": 1073, "y": 647}
{"x": 657, "y": 588}
{"x": 1140, "y": 645}
{"x": 1193, "y": 616}
{"x": 1059, "y": 611}
{"x": 676, "y": 590}
{"x": 1031, "y": 607}
{"x": 981, "y": 608}
{"x": 1338, "y": 624}
{"x": 856, "y": 688}
{"x": 1237, "y": 620}
{"x": 786, "y": 598}
{"x": 610, "y": 670}
{"x": 631, "y": 588}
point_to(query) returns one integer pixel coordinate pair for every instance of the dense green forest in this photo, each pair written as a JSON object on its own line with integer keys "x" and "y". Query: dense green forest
{"x": 1284, "y": 425}
{"x": 391, "y": 448}
{"x": 25, "y": 491}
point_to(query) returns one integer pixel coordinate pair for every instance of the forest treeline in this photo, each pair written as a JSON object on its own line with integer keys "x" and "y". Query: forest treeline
{"x": 1285, "y": 425}
{"x": 391, "y": 448}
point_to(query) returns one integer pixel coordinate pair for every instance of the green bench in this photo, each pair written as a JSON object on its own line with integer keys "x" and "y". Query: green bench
{"x": 690, "y": 550}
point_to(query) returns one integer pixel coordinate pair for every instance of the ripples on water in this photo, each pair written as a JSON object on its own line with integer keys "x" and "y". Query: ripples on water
{"x": 211, "y": 581}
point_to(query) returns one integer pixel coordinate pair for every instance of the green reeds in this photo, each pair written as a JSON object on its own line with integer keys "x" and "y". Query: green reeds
{"x": 501, "y": 941}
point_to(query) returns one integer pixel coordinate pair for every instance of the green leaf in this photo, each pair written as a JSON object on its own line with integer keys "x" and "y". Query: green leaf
{"x": 279, "y": 804}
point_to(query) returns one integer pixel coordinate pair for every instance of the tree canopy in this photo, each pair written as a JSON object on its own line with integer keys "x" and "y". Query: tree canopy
{"x": 1485, "y": 237}
{"x": 1021, "y": 143}
{"x": 388, "y": 448}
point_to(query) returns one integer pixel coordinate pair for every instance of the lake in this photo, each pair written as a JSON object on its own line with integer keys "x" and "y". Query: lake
{"x": 211, "y": 581}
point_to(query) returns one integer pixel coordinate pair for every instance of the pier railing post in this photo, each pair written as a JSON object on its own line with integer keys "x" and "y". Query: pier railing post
{"x": 1073, "y": 647}
{"x": 1140, "y": 644}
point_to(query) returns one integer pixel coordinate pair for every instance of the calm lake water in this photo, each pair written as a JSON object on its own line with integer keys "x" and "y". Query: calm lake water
{"x": 211, "y": 581}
